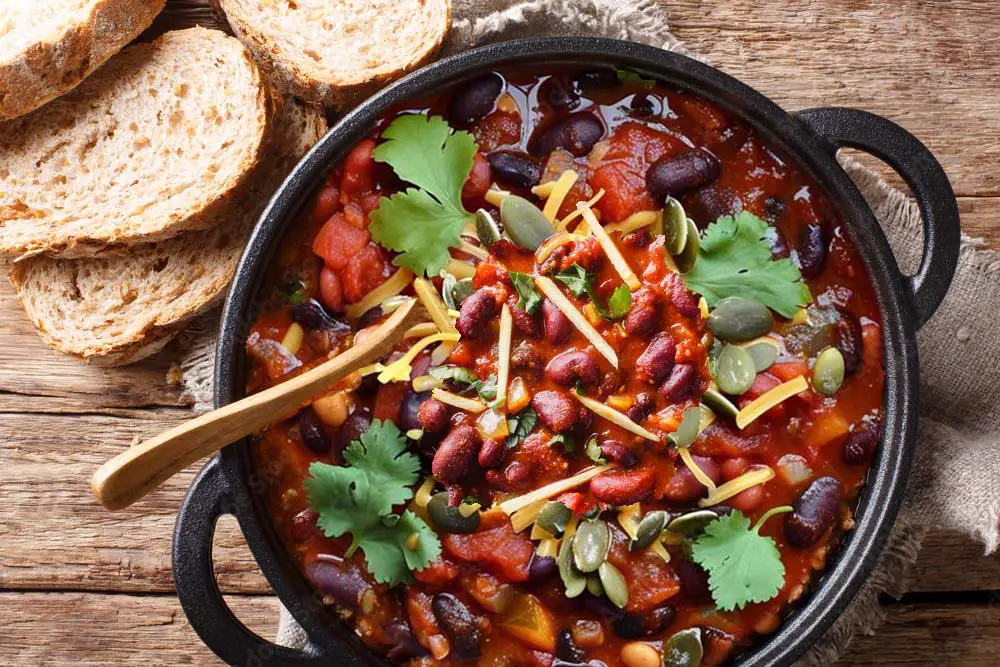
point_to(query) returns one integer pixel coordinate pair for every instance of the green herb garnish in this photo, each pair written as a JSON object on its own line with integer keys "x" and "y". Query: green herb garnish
{"x": 581, "y": 283}
{"x": 619, "y": 302}
{"x": 593, "y": 450}
{"x": 486, "y": 389}
{"x": 294, "y": 291}
{"x": 529, "y": 299}
{"x": 519, "y": 426}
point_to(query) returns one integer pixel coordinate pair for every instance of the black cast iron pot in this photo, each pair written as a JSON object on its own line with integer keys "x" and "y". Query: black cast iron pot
{"x": 229, "y": 484}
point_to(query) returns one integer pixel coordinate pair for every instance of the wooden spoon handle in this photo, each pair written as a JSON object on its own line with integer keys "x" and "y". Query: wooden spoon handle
{"x": 135, "y": 472}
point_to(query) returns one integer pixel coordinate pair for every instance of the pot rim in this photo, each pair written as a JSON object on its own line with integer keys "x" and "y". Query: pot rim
{"x": 882, "y": 494}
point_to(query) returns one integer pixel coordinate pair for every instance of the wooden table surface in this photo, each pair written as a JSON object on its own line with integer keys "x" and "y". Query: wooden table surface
{"x": 82, "y": 586}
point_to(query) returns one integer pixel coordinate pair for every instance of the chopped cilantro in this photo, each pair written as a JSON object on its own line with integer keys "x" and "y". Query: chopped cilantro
{"x": 743, "y": 566}
{"x": 358, "y": 498}
{"x": 619, "y": 302}
{"x": 487, "y": 389}
{"x": 519, "y": 426}
{"x": 581, "y": 283}
{"x": 735, "y": 260}
{"x": 593, "y": 450}
{"x": 422, "y": 223}
{"x": 529, "y": 299}
{"x": 294, "y": 291}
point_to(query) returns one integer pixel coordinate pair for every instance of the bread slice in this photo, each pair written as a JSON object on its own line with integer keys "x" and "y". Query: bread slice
{"x": 335, "y": 52}
{"x": 119, "y": 309}
{"x": 155, "y": 143}
{"x": 48, "y": 47}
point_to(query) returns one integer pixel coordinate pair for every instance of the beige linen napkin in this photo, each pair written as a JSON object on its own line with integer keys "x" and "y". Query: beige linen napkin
{"x": 955, "y": 482}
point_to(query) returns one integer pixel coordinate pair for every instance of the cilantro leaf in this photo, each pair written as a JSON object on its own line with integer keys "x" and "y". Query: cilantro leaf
{"x": 529, "y": 299}
{"x": 581, "y": 283}
{"x": 422, "y": 224}
{"x": 735, "y": 260}
{"x": 619, "y": 302}
{"x": 593, "y": 450}
{"x": 520, "y": 426}
{"x": 487, "y": 389}
{"x": 359, "y": 498}
{"x": 743, "y": 566}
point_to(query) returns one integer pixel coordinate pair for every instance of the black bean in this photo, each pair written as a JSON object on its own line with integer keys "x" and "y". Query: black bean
{"x": 849, "y": 340}
{"x": 636, "y": 626}
{"x": 516, "y": 168}
{"x": 370, "y": 317}
{"x": 676, "y": 174}
{"x": 340, "y": 580}
{"x": 312, "y": 433}
{"x": 815, "y": 511}
{"x": 312, "y": 315}
{"x": 779, "y": 244}
{"x": 409, "y": 414}
{"x": 774, "y": 208}
{"x": 357, "y": 422}
{"x": 474, "y": 99}
{"x": 642, "y": 105}
{"x": 542, "y": 568}
{"x": 458, "y": 624}
{"x": 596, "y": 78}
{"x": 566, "y": 648}
{"x": 693, "y": 579}
{"x": 708, "y": 204}
{"x": 811, "y": 250}
{"x": 577, "y": 133}
{"x": 860, "y": 445}
{"x": 560, "y": 94}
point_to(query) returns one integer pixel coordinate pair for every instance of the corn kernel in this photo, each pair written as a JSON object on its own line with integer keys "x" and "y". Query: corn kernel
{"x": 619, "y": 402}
{"x": 293, "y": 338}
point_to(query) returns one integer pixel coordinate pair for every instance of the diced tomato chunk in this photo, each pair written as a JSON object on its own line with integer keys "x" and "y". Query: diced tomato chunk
{"x": 577, "y": 503}
{"x": 359, "y": 169}
{"x": 494, "y": 547}
{"x": 439, "y": 573}
{"x": 330, "y": 290}
{"x": 365, "y": 271}
{"x": 477, "y": 183}
{"x": 789, "y": 370}
{"x": 389, "y": 400}
{"x": 338, "y": 241}
{"x": 658, "y": 580}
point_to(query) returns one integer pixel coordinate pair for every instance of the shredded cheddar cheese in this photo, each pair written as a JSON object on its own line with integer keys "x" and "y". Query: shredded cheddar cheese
{"x": 420, "y": 330}
{"x": 391, "y": 287}
{"x": 559, "y": 191}
{"x": 573, "y": 215}
{"x": 526, "y": 516}
{"x": 634, "y": 222}
{"x": 550, "y": 490}
{"x": 555, "y": 295}
{"x": 461, "y": 268}
{"x": 610, "y": 249}
{"x": 768, "y": 400}
{"x": 460, "y": 402}
{"x": 615, "y": 417}
{"x": 399, "y": 370}
{"x": 439, "y": 315}
{"x": 756, "y": 475}
{"x": 496, "y": 196}
{"x": 503, "y": 358}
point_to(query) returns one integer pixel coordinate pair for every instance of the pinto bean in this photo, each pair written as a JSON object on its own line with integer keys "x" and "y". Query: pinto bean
{"x": 456, "y": 454}
{"x": 577, "y": 133}
{"x": 476, "y": 312}
{"x": 492, "y": 453}
{"x": 458, "y": 623}
{"x": 474, "y": 99}
{"x": 557, "y": 326}
{"x": 619, "y": 453}
{"x": 642, "y": 316}
{"x": 516, "y": 168}
{"x": 555, "y": 409}
{"x": 526, "y": 323}
{"x": 811, "y": 250}
{"x": 624, "y": 487}
{"x": 339, "y": 579}
{"x": 680, "y": 383}
{"x": 572, "y": 366}
{"x": 657, "y": 360}
{"x": 815, "y": 511}
{"x": 432, "y": 415}
{"x": 676, "y": 174}
{"x": 849, "y": 340}
{"x": 860, "y": 445}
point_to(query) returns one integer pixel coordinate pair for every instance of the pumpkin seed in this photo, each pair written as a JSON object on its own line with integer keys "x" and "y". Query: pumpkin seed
{"x": 693, "y": 523}
{"x": 591, "y": 545}
{"x": 687, "y": 257}
{"x": 763, "y": 352}
{"x": 675, "y": 226}
{"x": 687, "y": 431}
{"x": 574, "y": 582}
{"x": 649, "y": 529}
{"x": 554, "y": 517}
{"x": 594, "y": 586}
{"x": 735, "y": 372}
{"x": 525, "y": 223}
{"x": 615, "y": 586}
{"x": 448, "y": 519}
{"x": 448, "y": 283}
{"x": 462, "y": 290}
{"x": 486, "y": 228}
{"x": 735, "y": 319}
{"x": 719, "y": 404}
{"x": 828, "y": 371}
{"x": 683, "y": 649}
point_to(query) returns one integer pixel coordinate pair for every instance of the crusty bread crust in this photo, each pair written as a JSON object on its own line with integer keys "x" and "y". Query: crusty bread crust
{"x": 112, "y": 311}
{"x": 304, "y": 73}
{"x": 68, "y": 53}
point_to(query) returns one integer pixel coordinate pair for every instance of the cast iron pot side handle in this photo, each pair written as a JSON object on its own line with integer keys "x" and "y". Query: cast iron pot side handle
{"x": 914, "y": 162}
{"x": 199, "y": 592}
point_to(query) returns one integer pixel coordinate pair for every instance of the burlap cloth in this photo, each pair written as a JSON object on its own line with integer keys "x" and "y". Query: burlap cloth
{"x": 955, "y": 482}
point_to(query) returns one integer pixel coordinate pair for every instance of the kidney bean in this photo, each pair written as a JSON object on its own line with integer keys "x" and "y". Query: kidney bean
{"x": 860, "y": 445}
{"x": 711, "y": 202}
{"x": 693, "y": 579}
{"x": 577, "y": 133}
{"x": 636, "y": 626}
{"x": 304, "y": 525}
{"x": 625, "y": 487}
{"x": 403, "y": 645}
{"x": 572, "y": 366}
{"x": 682, "y": 298}
{"x": 748, "y": 500}
{"x": 811, "y": 250}
{"x": 340, "y": 580}
{"x": 492, "y": 453}
{"x": 642, "y": 407}
{"x": 610, "y": 382}
{"x": 639, "y": 239}
{"x": 718, "y": 645}
{"x": 476, "y": 312}
{"x": 370, "y": 317}
{"x": 657, "y": 360}
{"x": 680, "y": 383}
{"x": 676, "y": 174}
{"x": 849, "y": 340}
{"x": 432, "y": 415}
{"x": 542, "y": 568}
{"x": 584, "y": 420}
{"x": 458, "y": 623}
{"x": 815, "y": 511}
{"x": 456, "y": 454}
{"x": 556, "y": 325}
{"x": 685, "y": 487}
{"x": 514, "y": 167}
{"x": 555, "y": 409}
{"x": 357, "y": 422}
{"x": 618, "y": 453}
{"x": 517, "y": 475}
{"x": 409, "y": 413}
{"x": 566, "y": 648}
{"x": 526, "y": 355}
{"x": 642, "y": 316}
{"x": 528, "y": 324}
{"x": 475, "y": 99}
{"x": 312, "y": 433}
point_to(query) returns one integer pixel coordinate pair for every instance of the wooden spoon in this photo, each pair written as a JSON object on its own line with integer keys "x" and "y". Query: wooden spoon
{"x": 132, "y": 474}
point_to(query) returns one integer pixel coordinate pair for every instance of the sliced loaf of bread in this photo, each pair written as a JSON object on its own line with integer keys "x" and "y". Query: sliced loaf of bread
{"x": 155, "y": 143}
{"x": 116, "y": 310}
{"x": 48, "y": 47}
{"x": 334, "y": 52}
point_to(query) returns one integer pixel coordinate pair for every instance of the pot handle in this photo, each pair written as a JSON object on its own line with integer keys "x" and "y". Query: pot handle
{"x": 912, "y": 160}
{"x": 199, "y": 594}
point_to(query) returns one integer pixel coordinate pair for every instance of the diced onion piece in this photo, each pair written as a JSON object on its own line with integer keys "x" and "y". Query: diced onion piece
{"x": 553, "y": 489}
{"x": 628, "y": 519}
{"x": 610, "y": 249}
{"x": 492, "y": 425}
{"x": 415, "y": 433}
{"x": 527, "y": 515}
{"x": 426, "y": 383}
{"x": 292, "y": 340}
{"x": 503, "y": 358}
{"x": 548, "y": 548}
{"x": 370, "y": 369}
{"x": 698, "y": 473}
{"x": 615, "y": 417}
{"x": 456, "y": 401}
{"x": 518, "y": 397}
{"x": 756, "y": 475}
{"x": 573, "y": 215}
{"x": 421, "y": 330}
{"x": 396, "y": 283}
{"x": 461, "y": 268}
{"x": 559, "y": 192}
{"x": 543, "y": 190}
{"x": 439, "y": 315}
{"x": 633, "y": 222}
{"x": 801, "y": 316}
{"x": 794, "y": 469}
{"x": 399, "y": 370}
{"x": 474, "y": 250}
{"x": 556, "y": 296}
{"x": 768, "y": 400}
{"x": 658, "y": 225}
{"x": 496, "y": 196}
{"x": 393, "y": 303}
